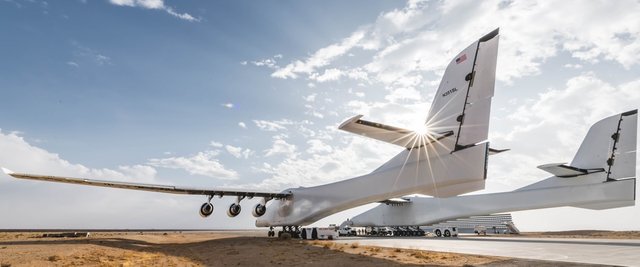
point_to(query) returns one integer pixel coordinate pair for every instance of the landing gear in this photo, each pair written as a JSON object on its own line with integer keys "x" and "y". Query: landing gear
{"x": 293, "y": 230}
{"x": 271, "y": 233}
{"x": 438, "y": 233}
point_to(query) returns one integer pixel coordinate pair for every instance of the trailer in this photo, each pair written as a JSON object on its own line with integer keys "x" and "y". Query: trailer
{"x": 446, "y": 231}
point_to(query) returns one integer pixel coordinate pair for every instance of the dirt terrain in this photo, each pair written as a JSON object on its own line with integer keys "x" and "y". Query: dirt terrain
{"x": 219, "y": 249}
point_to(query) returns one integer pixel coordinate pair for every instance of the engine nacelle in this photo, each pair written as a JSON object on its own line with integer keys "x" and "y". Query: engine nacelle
{"x": 206, "y": 209}
{"x": 234, "y": 210}
{"x": 259, "y": 210}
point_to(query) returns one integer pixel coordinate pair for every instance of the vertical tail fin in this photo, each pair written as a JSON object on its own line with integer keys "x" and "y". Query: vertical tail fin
{"x": 607, "y": 153}
{"x": 610, "y": 144}
{"x": 463, "y": 100}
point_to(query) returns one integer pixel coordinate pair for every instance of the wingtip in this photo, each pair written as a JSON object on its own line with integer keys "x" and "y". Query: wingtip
{"x": 7, "y": 171}
{"x": 350, "y": 120}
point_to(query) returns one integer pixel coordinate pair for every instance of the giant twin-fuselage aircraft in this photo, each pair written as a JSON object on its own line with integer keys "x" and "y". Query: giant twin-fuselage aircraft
{"x": 448, "y": 160}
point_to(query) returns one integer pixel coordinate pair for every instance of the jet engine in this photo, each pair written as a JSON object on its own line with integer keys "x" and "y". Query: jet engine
{"x": 259, "y": 210}
{"x": 206, "y": 209}
{"x": 234, "y": 210}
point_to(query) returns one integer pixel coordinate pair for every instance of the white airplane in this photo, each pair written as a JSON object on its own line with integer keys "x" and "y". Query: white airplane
{"x": 600, "y": 176}
{"x": 447, "y": 160}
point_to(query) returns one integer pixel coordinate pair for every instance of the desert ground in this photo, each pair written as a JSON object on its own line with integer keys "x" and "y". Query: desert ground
{"x": 221, "y": 248}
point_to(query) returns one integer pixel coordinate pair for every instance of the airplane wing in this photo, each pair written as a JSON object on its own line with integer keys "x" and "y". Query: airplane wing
{"x": 148, "y": 187}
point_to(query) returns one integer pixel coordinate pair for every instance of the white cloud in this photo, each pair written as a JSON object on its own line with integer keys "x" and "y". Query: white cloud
{"x": 311, "y": 97}
{"x": 272, "y": 126}
{"x": 82, "y": 53}
{"x": 239, "y": 152}
{"x": 281, "y": 147}
{"x": 203, "y": 163}
{"x": 573, "y": 66}
{"x": 317, "y": 146}
{"x": 316, "y": 114}
{"x": 269, "y": 63}
{"x": 320, "y": 58}
{"x": 215, "y": 144}
{"x": 154, "y": 4}
{"x": 15, "y": 149}
{"x": 227, "y": 105}
{"x": 421, "y": 38}
{"x": 242, "y": 125}
{"x": 332, "y": 74}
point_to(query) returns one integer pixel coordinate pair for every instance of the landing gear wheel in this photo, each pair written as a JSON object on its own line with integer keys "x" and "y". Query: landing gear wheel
{"x": 438, "y": 233}
{"x": 447, "y": 233}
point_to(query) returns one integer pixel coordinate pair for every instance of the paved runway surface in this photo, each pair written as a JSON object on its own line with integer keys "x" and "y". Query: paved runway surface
{"x": 595, "y": 251}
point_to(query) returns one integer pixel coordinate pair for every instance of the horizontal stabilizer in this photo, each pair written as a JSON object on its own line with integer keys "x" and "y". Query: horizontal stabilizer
{"x": 379, "y": 131}
{"x": 562, "y": 170}
{"x": 493, "y": 151}
{"x": 390, "y": 134}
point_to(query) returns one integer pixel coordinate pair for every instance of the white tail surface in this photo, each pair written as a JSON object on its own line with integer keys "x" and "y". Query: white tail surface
{"x": 463, "y": 101}
{"x": 610, "y": 144}
{"x": 607, "y": 153}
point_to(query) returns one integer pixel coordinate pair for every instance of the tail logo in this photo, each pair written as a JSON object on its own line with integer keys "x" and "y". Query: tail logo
{"x": 450, "y": 91}
{"x": 461, "y": 59}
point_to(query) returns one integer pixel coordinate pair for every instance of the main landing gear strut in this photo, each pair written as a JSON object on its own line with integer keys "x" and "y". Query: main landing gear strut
{"x": 293, "y": 230}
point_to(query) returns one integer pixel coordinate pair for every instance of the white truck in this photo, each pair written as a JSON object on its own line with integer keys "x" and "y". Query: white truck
{"x": 312, "y": 233}
{"x": 347, "y": 231}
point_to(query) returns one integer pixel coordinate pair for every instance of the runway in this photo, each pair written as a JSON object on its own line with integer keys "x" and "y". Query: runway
{"x": 623, "y": 252}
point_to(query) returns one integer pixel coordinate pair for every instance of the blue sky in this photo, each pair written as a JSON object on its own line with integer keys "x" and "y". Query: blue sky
{"x": 249, "y": 94}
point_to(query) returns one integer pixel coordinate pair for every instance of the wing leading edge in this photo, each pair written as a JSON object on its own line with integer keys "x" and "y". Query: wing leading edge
{"x": 149, "y": 187}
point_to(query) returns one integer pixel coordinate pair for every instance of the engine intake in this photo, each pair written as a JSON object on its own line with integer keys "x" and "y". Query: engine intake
{"x": 206, "y": 209}
{"x": 234, "y": 210}
{"x": 259, "y": 210}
